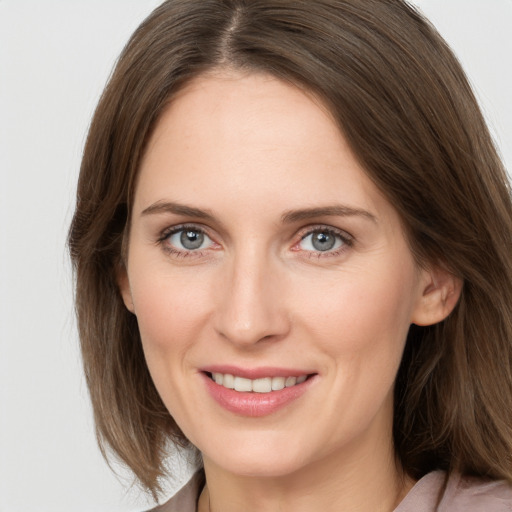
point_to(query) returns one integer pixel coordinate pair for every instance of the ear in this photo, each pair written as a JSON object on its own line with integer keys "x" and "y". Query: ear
{"x": 124, "y": 288}
{"x": 439, "y": 293}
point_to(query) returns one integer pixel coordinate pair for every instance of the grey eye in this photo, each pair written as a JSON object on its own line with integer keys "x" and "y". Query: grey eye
{"x": 321, "y": 241}
{"x": 191, "y": 239}
{"x": 188, "y": 239}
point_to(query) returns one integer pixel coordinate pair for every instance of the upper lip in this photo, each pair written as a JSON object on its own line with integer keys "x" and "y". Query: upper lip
{"x": 256, "y": 373}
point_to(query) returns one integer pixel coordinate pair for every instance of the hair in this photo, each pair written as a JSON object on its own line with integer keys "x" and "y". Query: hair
{"x": 404, "y": 105}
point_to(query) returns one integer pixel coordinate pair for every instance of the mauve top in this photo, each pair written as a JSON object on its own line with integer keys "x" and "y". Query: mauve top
{"x": 462, "y": 494}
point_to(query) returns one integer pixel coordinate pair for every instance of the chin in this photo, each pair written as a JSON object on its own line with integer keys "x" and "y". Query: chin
{"x": 259, "y": 468}
{"x": 260, "y": 459}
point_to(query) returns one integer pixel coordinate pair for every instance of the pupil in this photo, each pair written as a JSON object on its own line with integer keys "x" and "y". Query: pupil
{"x": 323, "y": 241}
{"x": 191, "y": 239}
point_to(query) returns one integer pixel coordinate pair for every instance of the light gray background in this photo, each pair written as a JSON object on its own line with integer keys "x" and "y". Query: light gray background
{"x": 55, "y": 57}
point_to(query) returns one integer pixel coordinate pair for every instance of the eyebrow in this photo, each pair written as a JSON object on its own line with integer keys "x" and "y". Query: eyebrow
{"x": 326, "y": 211}
{"x": 287, "y": 217}
{"x": 178, "y": 209}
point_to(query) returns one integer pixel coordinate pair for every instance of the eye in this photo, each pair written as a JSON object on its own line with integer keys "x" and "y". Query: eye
{"x": 188, "y": 239}
{"x": 323, "y": 240}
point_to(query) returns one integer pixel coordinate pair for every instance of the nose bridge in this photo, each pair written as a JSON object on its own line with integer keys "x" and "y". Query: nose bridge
{"x": 251, "y": 306}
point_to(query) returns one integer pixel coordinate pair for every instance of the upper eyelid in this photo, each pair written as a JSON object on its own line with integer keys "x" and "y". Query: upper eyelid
{"x": 164, "y": 233}
{"x": 171, "y": 250}
{"x": 308, "y": 230}
{"x": 347, "y": 239}
{"x": 216, "y": 232}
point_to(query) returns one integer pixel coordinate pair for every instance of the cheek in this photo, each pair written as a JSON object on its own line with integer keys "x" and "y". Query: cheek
{"x": 362, "y": 317}
{"x": 360, "y": 323}
{"x": 170, "y": 315}
{"x": 171, "y": 312}
{"x": 165, "y": 312}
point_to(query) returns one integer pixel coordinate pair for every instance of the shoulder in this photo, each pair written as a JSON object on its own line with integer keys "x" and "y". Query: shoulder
{"x": 185, "y": 500}
{"x": 436, "y": 492}
{"x": 475, "y": 494}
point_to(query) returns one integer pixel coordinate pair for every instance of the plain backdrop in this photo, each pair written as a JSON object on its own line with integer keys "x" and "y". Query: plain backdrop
{"x": 55, "y": 57}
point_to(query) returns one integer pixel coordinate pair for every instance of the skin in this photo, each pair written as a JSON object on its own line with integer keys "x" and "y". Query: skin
{"x": 249, "y": 149}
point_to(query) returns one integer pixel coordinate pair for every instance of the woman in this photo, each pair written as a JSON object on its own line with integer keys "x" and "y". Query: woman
{"x": 292, "y": 252}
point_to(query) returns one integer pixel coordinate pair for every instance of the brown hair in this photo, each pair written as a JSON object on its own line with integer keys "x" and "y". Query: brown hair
{"x": 404, "y": 105}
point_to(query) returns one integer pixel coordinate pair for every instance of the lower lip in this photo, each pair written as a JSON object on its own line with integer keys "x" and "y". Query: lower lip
{"x": 255, "y": 404}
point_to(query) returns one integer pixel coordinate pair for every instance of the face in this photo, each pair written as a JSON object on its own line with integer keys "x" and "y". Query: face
{"x": 262, "y": 257}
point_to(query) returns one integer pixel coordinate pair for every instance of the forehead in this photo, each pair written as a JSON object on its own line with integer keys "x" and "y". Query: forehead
{"x": 246, "y": 110}
{"x": 250, "y": 136}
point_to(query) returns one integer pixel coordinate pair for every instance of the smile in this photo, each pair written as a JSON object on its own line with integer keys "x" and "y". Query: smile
{"x": 262, "y": 385}
{"x": 256, "y": 392}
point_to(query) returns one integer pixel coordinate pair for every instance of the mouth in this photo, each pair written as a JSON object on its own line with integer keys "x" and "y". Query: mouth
{"x": 261, "y": 385}
{"x": 256, "y": 392}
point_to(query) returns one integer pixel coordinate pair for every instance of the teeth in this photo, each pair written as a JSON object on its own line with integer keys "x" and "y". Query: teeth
{"x": 242, "y": 384}
{"x": 229, "y": 381}
{"x": 277, "y": 383}
{"x": 290, "y": 381}
{"x": 264, "y": 385}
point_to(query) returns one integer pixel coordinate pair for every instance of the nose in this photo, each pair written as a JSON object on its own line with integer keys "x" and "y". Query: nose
{"x": 251, "y": 305}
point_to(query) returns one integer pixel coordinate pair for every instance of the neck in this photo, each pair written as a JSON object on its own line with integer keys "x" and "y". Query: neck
{"x": 368, "y": 481}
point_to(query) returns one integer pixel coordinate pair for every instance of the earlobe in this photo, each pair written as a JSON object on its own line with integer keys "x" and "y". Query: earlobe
{"x": 124, "y": 288}
{"x": 439, "y": 293}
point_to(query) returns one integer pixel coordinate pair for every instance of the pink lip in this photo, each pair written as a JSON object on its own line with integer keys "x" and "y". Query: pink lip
{"x": 255, "y": 404}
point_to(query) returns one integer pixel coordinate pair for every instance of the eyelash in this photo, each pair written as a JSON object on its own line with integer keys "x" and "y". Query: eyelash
{"x": 170, "y": 249}
{"x": 346, "y": 239}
